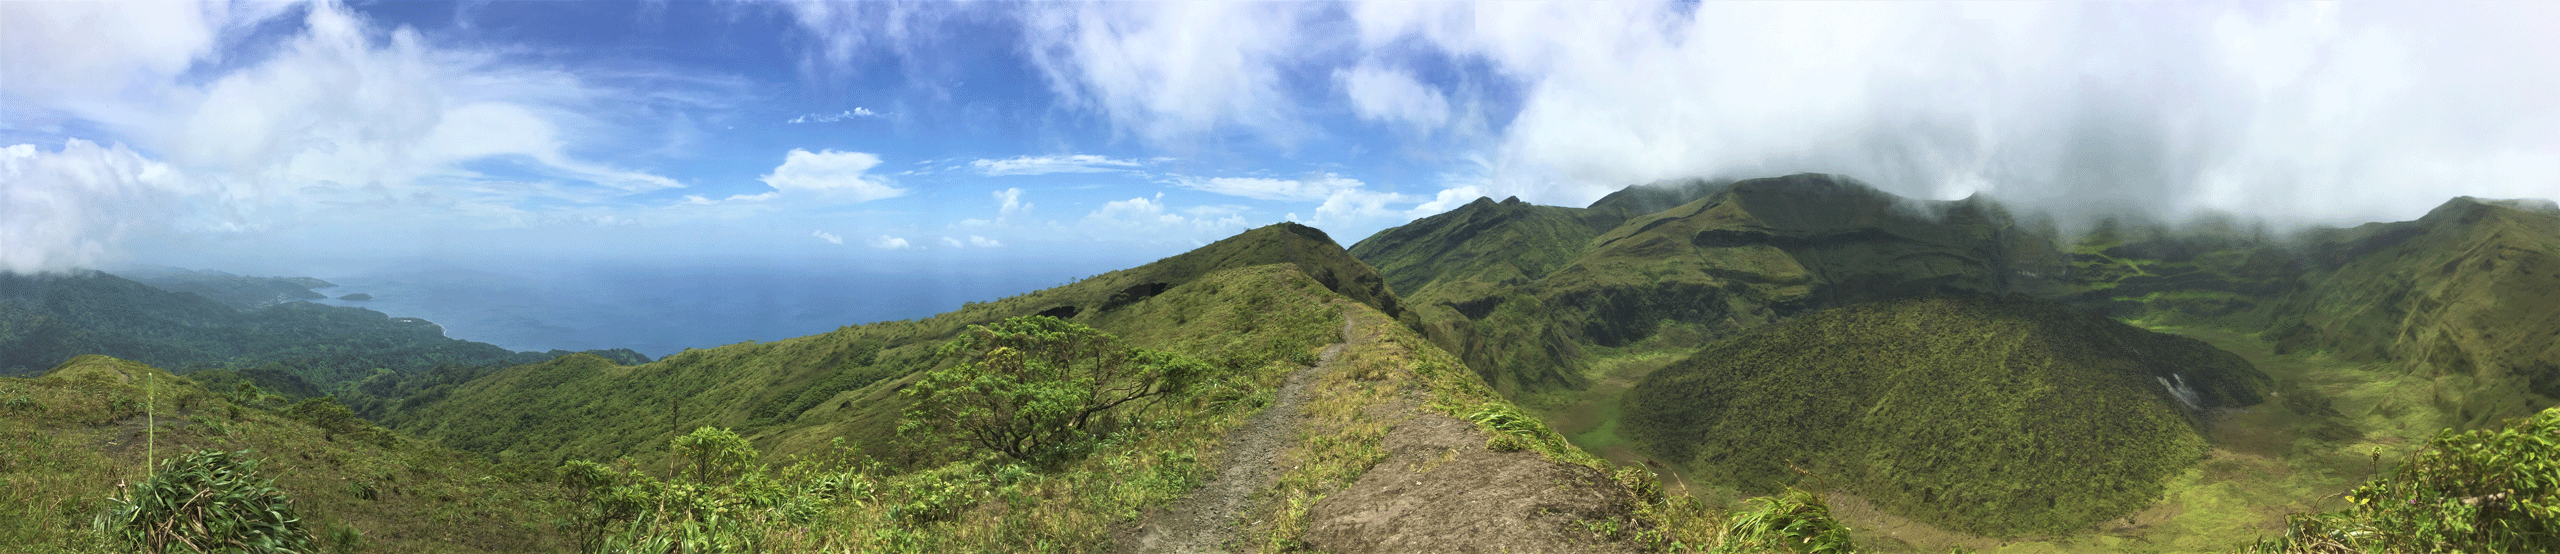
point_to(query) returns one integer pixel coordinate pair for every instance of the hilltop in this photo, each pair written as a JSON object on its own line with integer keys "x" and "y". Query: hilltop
{"x": 792, "y": 395}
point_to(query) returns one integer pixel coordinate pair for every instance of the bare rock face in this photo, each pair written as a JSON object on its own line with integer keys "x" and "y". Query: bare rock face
{"x": 1441, "y": 490}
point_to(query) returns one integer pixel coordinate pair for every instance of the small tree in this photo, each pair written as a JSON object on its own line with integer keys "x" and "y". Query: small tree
{"x": 1033, "y": 388}
{"x": 332, "y": 417}
{"x": 713, "y": 456}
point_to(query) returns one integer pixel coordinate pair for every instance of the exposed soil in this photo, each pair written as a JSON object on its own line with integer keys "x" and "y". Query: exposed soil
{"x": 1206, "y": 521}
{"x": 1441, "y": 490}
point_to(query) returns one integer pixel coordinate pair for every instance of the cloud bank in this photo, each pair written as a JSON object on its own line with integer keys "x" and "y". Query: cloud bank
{"x": 2326, "y": 112}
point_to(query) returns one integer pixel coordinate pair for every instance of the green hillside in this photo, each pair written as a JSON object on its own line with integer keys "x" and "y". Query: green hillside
{"x": 87, "y": 431}
{"x": 2467, "y": 296}
{"x": 794, "y": 395}
{"x": 299, "y": 349}
{"x": 239, "y": 292}
{"x": 1729, "y": 258}
{"x": 1999, "y": 416}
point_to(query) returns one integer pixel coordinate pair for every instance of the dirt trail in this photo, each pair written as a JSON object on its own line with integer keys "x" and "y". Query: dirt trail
{"x": 1206, "y": 521}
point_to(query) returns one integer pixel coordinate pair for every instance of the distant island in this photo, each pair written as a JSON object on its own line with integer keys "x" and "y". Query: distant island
{"x": 356, "y": 296}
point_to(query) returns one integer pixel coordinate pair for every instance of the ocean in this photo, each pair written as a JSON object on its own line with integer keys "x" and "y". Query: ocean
{"x": 659, "y": 311}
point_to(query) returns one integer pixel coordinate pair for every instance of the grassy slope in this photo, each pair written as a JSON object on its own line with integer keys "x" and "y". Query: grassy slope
{"x": 2468, "y": 295}
{"x": 582, "y": 407}
{"x": 68, "y": 438}
{"x": 2001, "y": 417}
{"x": 1455, "y": 267}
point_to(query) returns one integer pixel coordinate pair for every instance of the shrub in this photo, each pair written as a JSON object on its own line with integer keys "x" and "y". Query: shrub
{"x": 1795, "y": 521}
{"x": 713, "y": 456}
{"x": 2489, "y": 490}
{"x": 332, "y": 417}
{"x": 208, "y": 501}
{"x": 1033, "y": 388}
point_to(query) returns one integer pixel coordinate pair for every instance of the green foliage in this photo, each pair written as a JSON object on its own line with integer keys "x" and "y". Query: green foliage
{"x": 1795, "y": 521}
{"x": 2488, "y": 490}
{"x": 328, "y": 414}
{"x": 61, "y": 462}
{"x": 208, "y": 501}
{"x": 1990, "y": 416}
{"x": 1034, "y": 388}
{"x": 714, "y": 456}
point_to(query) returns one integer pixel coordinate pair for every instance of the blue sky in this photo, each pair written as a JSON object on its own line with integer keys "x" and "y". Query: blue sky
{"x": 319, "y": 137}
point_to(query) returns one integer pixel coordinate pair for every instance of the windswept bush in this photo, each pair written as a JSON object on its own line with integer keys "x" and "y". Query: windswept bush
{"x": 208, "y": 501}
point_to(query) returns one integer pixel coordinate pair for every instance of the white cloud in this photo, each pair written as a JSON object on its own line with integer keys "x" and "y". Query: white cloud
{"x": 1148, "y": 220}
{"x": 1173, "y": 69}
{"x": 1041, "y": 165}
{"x": 828, "y": 173}
{"x": 83, "y": 52}
{"x": 75, "y": 207}
{"x": 1321, "y": 187}
{"x": 1385, "y": 94}
{"x": 1011, "y": 203}
{"x": 952, "y": 242}
{"x": 1448, "y": 199}
{"x": 886, "y": 242}
{"x": 2273, "y": 109}
{"x": 1354, "y": 206}
{"x": 326, "y": 122}
{"x": 983, "y": 242}
{"x": 857, "y": 111}
{"x": 831, "y": 238}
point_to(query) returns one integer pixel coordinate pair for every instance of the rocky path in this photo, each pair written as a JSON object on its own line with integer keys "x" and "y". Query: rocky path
{"x": 1207, "y": 520}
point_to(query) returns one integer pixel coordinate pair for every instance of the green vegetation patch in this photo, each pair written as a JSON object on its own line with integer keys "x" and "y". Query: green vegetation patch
{"x": 80, "y": 447}
{"x": 2488, "y": 490}
{"x": 1998, "y": 416}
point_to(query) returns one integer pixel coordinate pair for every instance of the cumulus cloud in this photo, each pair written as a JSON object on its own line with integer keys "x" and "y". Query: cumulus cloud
{"x": 1171, "y": 70}
{"x": 827, "y": 173}
{"x": 81, "y": 52}
{"x": 328, "y": 121}
{"x": 1041, "y": 165}
{"x": 857, "y": 111}
{"x": 831, "y": 238}
{"x": 1010, "y": 203}
{"x": 1386, "y": 94}
{"x": 886, "y": 242}
{"x": 74, "y": 208}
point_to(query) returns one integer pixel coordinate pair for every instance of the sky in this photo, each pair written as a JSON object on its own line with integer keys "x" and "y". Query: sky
{"x": 302, "y": 138}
